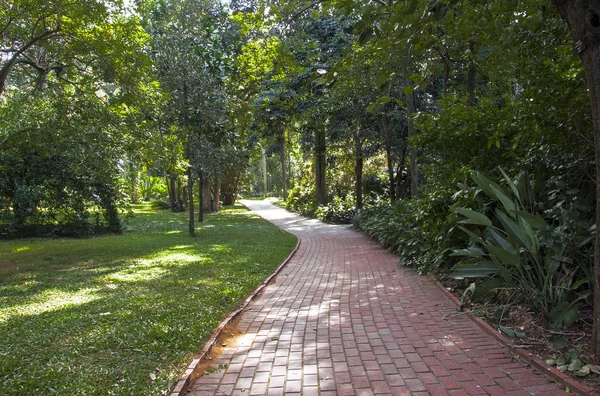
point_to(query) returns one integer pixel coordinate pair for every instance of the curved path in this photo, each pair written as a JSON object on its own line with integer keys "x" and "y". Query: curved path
{"x": 342, "y": 318}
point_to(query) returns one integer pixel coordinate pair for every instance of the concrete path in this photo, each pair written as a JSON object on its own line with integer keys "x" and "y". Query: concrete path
{"x": 343, "y": 318}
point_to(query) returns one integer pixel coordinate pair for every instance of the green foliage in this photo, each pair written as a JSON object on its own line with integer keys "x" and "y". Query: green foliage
{"x": 338, "y": 210}
{"x": 59, "y": 178}
{"x": 302, "y": 200}
{"x": 417, "y": 229}
{"x": 124, "y": 315}
{"x": 78, "y": 96}
{"x": 518, "y": 238}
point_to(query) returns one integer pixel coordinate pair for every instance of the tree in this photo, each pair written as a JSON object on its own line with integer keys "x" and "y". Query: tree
{"x": 583, "y": 18}
{"x": 76, "y": 91}
{"x": 189, "y": 54}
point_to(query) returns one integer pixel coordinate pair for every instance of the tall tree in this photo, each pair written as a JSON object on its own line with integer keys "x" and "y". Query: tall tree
{"x": 583, "y": 18}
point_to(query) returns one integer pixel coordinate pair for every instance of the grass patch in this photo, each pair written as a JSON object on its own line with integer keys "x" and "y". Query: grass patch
{"x": 122, "y": 314}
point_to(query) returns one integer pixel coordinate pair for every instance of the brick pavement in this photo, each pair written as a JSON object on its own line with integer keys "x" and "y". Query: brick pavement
{"x": 343, "y": 318}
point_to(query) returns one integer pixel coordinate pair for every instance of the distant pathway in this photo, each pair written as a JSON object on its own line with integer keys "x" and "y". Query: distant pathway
{"x": 343, "y": 318}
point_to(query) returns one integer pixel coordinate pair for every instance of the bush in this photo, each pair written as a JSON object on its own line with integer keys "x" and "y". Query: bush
{"x": 525, "y": 239}
{"x": 302, "y": 200}
{"x": 419, "y": 230}
{"x": 338, "y": 211}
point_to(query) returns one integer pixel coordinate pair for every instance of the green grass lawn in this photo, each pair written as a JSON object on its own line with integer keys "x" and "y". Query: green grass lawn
{"x": 123, "y": 314}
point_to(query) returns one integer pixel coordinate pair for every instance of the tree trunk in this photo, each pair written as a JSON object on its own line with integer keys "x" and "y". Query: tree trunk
{"x": 413, "y": 170}
{"x": 217, "y": 196}
{"x": 410, "y": 106}
{"x": 206, "y": 196}
{"x": 263, "y": 160}
{"x": 184, "y": 196}
{"x": 583, "y": 18}
{"x": 388, "y": 156}
{"x": 172, "y": 194}
{"x": 320, "y": 169}
{"x": 281, "y": 139}
{"x": 190, "y": 188}
{"x": 134, "y": 179}
{"x": 230, "y": 188}
{"x": 178, "y": 194}
{"x": 390, "y": 169}
{"x": 401, "y": 166}
{"x": 358, "y": 171}
{"x": 200, "y": 199}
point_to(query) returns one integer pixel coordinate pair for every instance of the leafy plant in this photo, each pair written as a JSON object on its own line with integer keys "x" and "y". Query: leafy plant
{"x": 338, "y": 211}
{"x": 516, "y": 246}
{"x": 417, "y": 229}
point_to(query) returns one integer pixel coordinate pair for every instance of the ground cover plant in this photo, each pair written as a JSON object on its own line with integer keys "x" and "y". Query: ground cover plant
{"x": 122, "y": 314}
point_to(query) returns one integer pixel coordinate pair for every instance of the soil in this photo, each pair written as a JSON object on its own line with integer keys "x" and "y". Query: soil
{"x": 230, "y": 337}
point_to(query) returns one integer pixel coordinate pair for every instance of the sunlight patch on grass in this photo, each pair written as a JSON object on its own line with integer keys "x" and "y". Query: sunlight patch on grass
{"x": 21, "y": 249}
{"x": 221, "y": 249}
{"x": 99, "y": 315}
{"x": 180, "y": 247}
{"x": 48, "y": 301}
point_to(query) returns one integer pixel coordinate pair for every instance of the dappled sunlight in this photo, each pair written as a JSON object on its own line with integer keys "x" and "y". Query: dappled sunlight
{"x": 180, "y": 247}
{"x": 50, "y": 300}
{"x": 137, "y": 274}
{"x": 155, "y": 267}
{"x": 21, "y": 249}
{"x": 119, "y": 306}
{"x": 142, "y": 209}
{"x": 221, "y": 249}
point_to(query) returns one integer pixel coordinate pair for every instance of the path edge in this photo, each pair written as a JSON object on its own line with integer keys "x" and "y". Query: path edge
{"x": 185, "y": 381}
{"x": 561, "y": 378}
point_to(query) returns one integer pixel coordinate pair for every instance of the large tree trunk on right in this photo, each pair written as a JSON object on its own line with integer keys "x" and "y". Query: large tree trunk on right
{"x": 583, "y": 18}
{"x": 320, "y": 167}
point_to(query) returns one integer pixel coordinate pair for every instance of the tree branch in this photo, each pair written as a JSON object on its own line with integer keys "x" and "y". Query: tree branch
{"x": 297, "y": 15}
{"x": 13, "y": 60}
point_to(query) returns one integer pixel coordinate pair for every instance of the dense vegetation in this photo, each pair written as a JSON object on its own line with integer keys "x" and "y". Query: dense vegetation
{"x": 123, "y": 314}
{"x": 459, "y": 134}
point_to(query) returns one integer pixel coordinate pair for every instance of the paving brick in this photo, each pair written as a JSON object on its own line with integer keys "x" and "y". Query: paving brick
{"x": 343, "y": 318}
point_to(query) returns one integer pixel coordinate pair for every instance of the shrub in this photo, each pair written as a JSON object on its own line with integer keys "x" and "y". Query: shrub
{"x": 302, "y": 200}
{"x": 338, "y": 211}
{"x": 419, "y": 230}
{"x": 523, "y": 239}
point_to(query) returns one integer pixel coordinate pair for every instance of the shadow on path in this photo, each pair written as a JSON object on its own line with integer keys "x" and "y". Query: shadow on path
{"x": 343, "y": 319}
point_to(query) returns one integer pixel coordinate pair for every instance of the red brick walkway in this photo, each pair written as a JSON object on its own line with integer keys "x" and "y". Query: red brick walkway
{"x": 343, "y": 318}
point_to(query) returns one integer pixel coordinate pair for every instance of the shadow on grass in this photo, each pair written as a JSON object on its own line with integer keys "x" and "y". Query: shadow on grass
{"x": 119, "y": 314}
